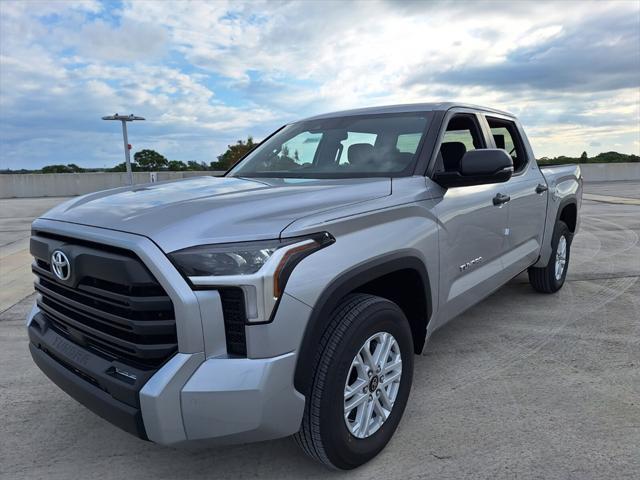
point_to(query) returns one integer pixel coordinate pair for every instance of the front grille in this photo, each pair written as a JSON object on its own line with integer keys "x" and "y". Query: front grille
{"x": 111, "y": 305}
{"x": 235, "y": 318}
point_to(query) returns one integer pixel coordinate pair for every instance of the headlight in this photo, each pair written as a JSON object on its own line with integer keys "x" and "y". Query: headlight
{"x": 226, "y": 259}
{"x": 260, "y": 268}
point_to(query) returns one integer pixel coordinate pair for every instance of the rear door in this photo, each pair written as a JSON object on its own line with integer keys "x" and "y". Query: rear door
{"x": 471, "y": 237}
{"x": 527, "y": 188}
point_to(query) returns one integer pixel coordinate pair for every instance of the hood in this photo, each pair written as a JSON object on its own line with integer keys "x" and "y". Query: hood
{"x": 205, "y": 210}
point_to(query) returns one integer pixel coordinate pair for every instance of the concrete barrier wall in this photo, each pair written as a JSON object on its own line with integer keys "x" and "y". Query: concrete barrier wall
{"x": 70, "y": 184}
{"x": 602, "y": 172}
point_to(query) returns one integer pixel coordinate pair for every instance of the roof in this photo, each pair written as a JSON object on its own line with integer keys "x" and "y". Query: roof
{"x": 407, "y": 108}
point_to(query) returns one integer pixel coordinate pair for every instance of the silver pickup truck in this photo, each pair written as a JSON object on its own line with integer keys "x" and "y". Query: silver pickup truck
{"x": 290, "y": 296}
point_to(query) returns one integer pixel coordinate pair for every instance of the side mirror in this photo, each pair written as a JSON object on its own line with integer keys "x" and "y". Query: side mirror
{"x": 478, "y": 167}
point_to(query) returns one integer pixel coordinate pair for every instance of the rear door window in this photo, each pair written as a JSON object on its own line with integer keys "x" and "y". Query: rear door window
{"x": 505, "y": 136}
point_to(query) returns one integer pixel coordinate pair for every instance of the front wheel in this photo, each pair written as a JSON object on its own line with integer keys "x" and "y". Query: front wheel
{"x": 550, "y": 279}
{"x": 361, "y": 383}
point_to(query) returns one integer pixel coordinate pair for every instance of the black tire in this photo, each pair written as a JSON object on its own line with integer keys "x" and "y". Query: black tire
{"x": 544, "y": 279}
{"x": 324, "y": 435}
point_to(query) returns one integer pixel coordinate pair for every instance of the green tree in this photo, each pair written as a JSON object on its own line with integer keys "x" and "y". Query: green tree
{"x": 75, "y": 168}
{"x": 69, "y": 168}
{"x": 610, "y": 157}
{"x": 604, "y": 157}
{"x": 150, "y": 160}
{"x": 233, "y": 154}
{"x": 122, "y": 167}
{"x": 56, "y": 169}
{"x": 197, "y": 166}
{"x": 177, "y": 166}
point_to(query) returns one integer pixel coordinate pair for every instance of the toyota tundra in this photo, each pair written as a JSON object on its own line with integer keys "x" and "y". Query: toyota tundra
{"x": 290, "y": 295}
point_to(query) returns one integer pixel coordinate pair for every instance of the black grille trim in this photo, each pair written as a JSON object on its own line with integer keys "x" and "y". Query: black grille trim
{"x": 235, "y": 318}
{"x": 112, "y": 305}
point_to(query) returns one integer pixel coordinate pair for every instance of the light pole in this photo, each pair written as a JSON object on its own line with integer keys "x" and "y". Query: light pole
{"x": 124, "y": 119}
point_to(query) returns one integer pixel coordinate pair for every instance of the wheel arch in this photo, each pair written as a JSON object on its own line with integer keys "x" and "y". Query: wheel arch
{"x": 568, "y": 213}
{"x": 566, "y": 208}
{"x": 370, "y": 277}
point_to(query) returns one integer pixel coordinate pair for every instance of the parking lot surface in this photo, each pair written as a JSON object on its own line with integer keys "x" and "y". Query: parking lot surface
{"x": 523, "y": 385}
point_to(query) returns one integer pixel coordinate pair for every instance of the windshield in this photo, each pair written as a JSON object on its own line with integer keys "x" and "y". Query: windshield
{"x": 350, "y": 146}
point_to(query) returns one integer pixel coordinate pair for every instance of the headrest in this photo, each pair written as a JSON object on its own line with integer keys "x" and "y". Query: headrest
{"x": 360, "y": 153}
{"x": 452, "y": 153}
{"x": 499, "y": 140}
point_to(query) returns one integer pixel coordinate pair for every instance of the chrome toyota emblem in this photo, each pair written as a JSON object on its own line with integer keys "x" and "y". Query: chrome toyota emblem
{"x": 60, "y": 265}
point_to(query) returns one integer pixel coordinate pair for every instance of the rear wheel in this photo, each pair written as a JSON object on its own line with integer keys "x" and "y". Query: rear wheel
{"x": 361, "y": 383}
{"x": 550, "y": 279}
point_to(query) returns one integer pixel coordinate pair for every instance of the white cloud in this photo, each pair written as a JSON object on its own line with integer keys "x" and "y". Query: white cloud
{"x": 128, "y": 42}
{"x": 207, "y": 73}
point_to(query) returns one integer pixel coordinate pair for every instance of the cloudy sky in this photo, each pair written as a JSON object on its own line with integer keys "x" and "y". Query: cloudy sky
{"x": 205, "y": 74}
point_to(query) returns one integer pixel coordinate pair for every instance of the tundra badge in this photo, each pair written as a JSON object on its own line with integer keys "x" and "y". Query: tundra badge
{"x": 470, "y": 263}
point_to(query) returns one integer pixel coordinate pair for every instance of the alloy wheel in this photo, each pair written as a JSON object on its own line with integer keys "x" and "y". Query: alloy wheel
{"x": 372, "y": 385}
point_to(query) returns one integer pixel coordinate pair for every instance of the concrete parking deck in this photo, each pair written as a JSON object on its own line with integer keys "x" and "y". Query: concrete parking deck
{"x": 523, "y": 385}
{"x": 16, "y": 216}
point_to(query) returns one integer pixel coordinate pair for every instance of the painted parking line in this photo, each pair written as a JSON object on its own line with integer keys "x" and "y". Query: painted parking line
{"x": 611, "y": 199}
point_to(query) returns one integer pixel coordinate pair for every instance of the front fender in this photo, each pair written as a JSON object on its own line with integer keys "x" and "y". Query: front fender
{"x": 366, "y": 247}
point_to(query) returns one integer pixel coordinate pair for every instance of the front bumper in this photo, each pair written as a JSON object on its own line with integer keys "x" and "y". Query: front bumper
{"x": 125, "y": 416}
{"x": 223, "y": 400}
{"x": 200, "y": 393}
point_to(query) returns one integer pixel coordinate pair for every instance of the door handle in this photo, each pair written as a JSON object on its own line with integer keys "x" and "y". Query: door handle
{"x": 541, "y": 188}
{"x": 499, "y": 199}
